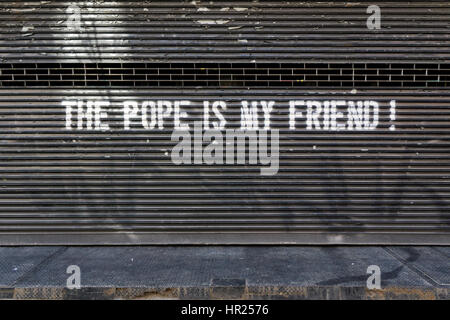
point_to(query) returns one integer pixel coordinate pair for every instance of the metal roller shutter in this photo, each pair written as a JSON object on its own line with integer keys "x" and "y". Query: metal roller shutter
{"x": 60, "y": 185}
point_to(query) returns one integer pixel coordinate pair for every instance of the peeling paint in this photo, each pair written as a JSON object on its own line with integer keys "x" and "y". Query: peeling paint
{"x": 209, "y": 22}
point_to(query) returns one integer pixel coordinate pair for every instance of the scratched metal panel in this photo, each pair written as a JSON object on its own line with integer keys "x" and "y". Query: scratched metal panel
{"x": 121, "y": 187}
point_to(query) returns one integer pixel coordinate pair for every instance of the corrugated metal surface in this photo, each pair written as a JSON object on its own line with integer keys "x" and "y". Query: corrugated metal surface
{"x": 225, "y": 30}
{"x": 79, "y": 187}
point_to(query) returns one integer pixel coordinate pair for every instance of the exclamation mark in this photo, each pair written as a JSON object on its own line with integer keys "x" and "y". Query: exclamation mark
{"x": 393, "y": 106}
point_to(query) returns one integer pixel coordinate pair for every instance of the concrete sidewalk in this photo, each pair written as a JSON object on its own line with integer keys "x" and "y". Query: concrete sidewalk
{"x": 238, "y": 272}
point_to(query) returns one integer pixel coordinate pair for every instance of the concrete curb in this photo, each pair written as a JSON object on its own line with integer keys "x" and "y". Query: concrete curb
{"x": 238, "y": 293}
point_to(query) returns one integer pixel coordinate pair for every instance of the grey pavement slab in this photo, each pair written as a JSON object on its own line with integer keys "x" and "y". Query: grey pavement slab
{"x": 430, "y": 262}
{"x": 284, "y": 271}
{"x": 16, "y": 262}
